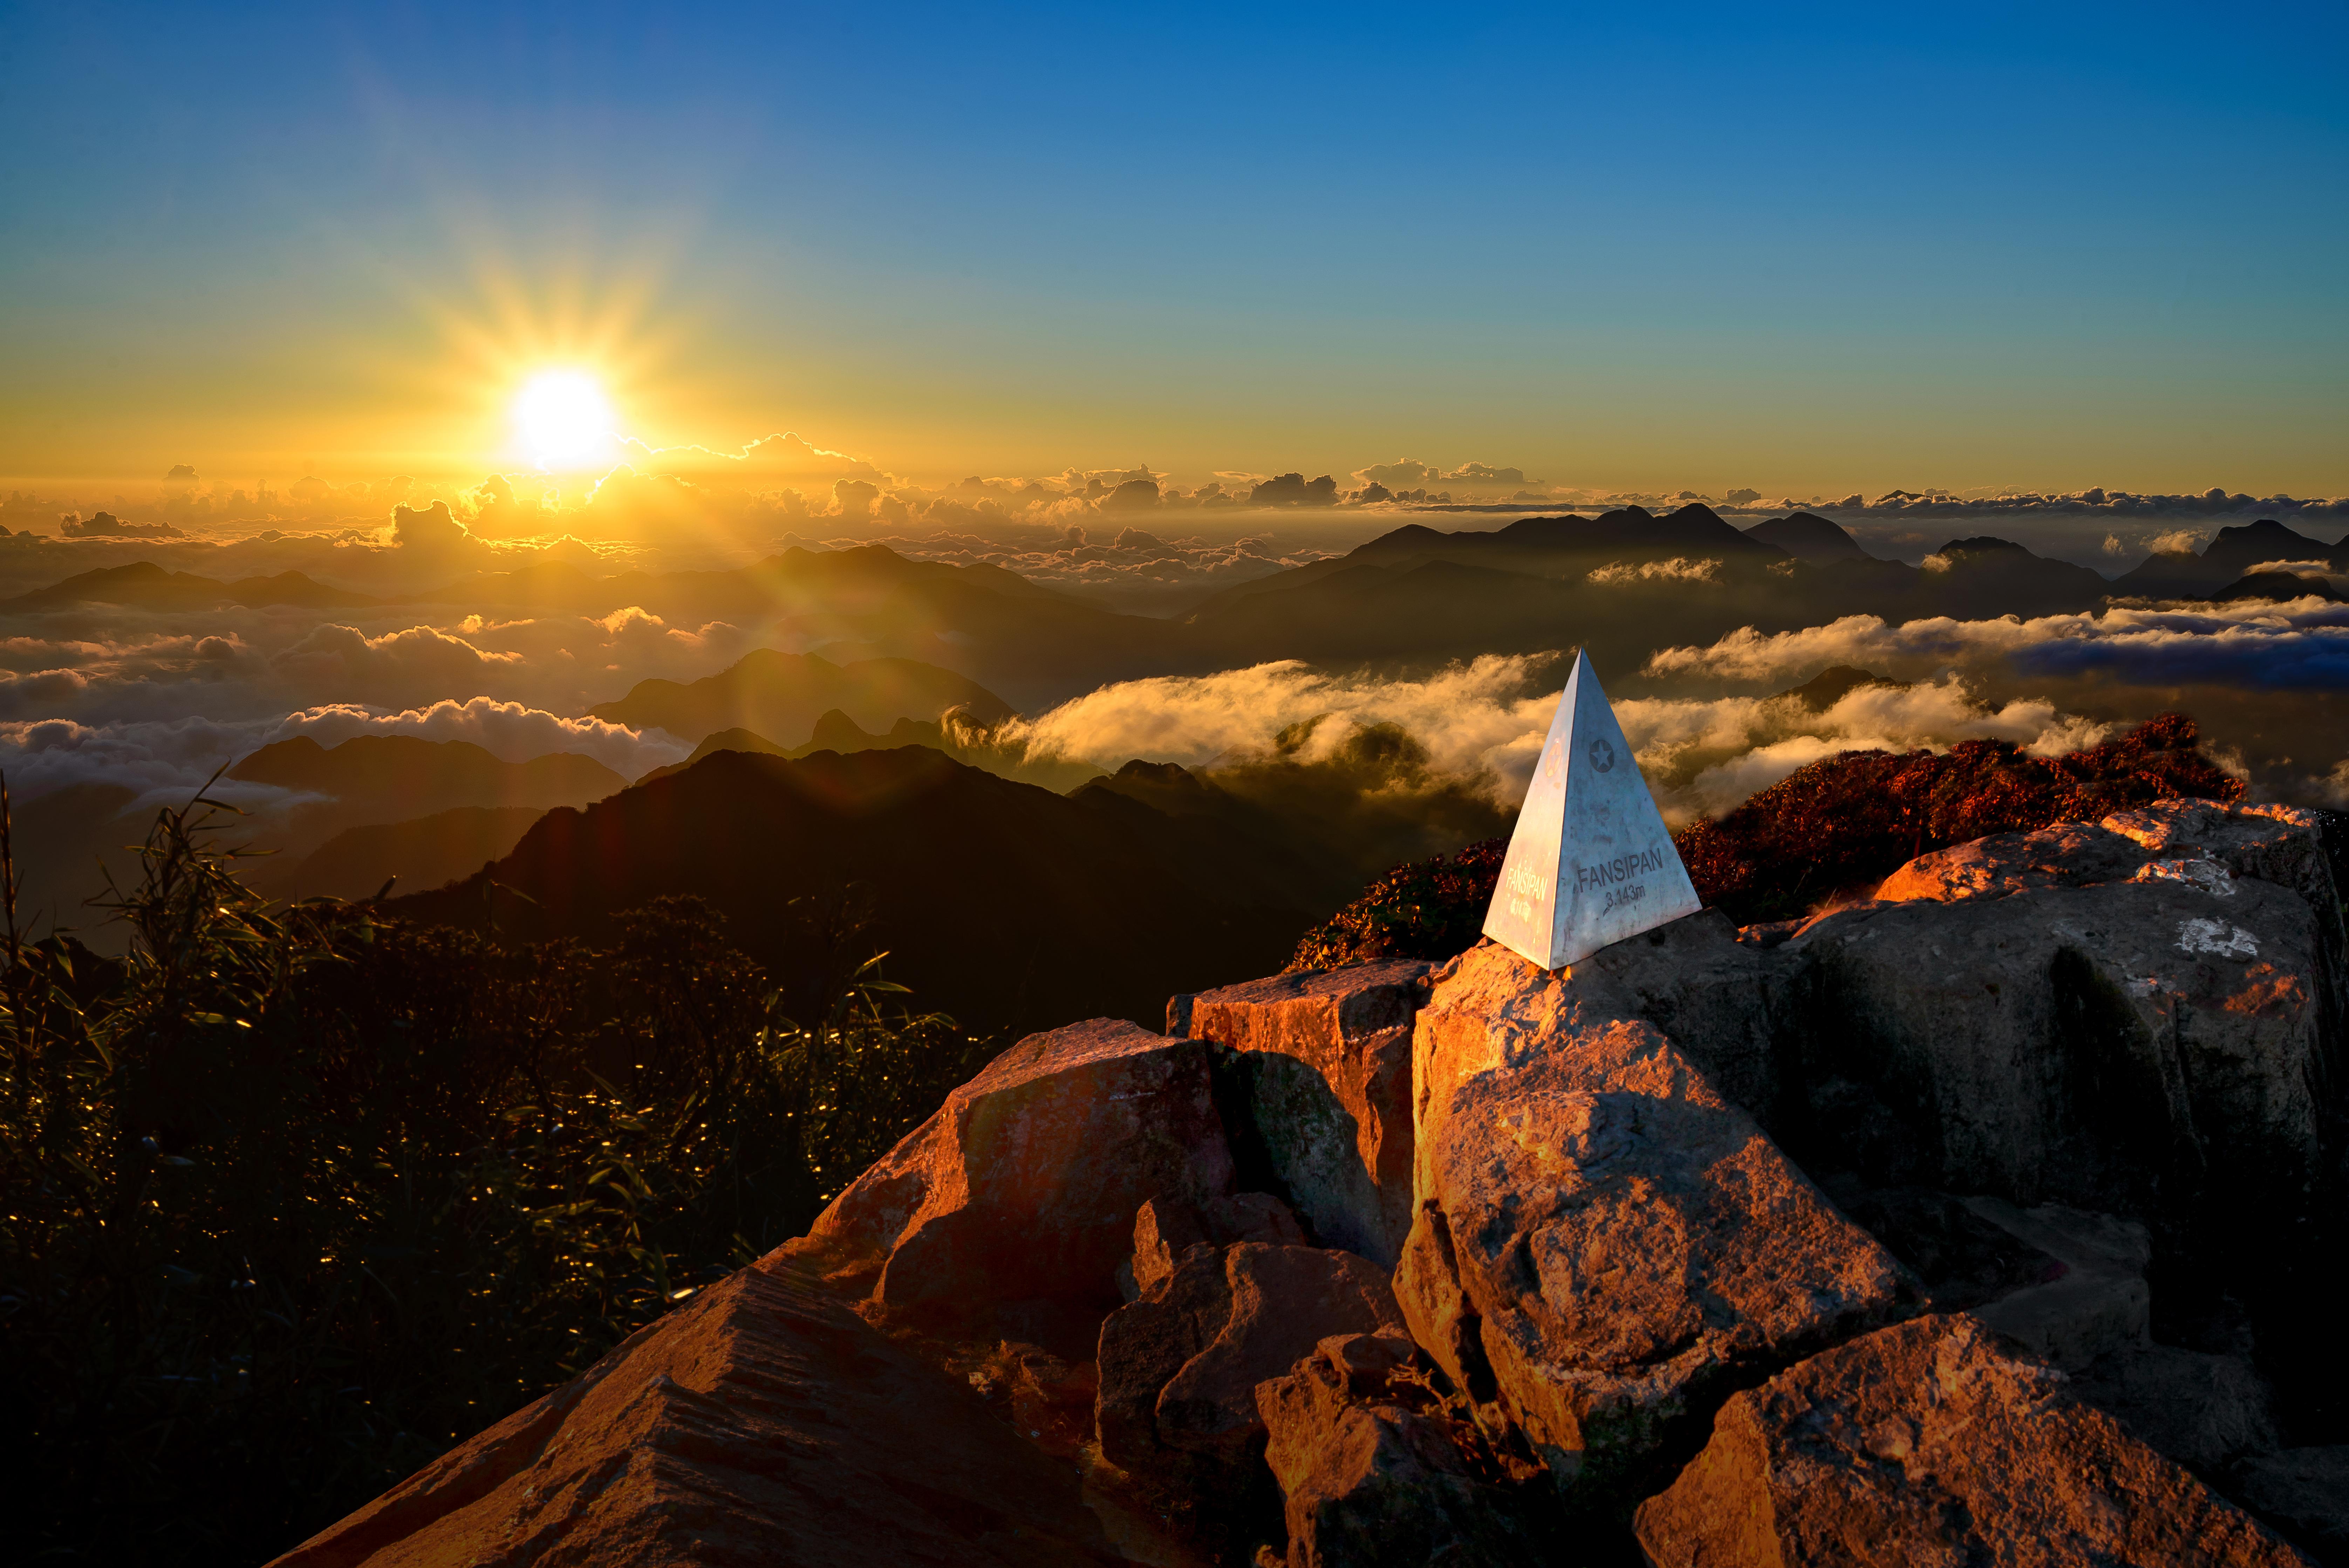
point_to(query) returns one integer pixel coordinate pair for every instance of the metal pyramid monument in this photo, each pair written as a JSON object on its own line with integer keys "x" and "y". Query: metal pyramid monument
{"x": 1590, "y": 862}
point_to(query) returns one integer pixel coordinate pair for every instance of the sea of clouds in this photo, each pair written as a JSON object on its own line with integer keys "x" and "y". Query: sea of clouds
{"x": 1483, "y": 722}
{"x": 2303, "y": 645}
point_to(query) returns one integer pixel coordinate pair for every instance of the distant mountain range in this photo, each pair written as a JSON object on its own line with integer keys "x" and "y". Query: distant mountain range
{"x": 2218, "y": 570}
{"x": 991, "y": 626}
{"x": 1620, "y": 585}
{"x": 1008, "y": 905}
{"x": 369, "y": 808}
{"x": 836, "y": 732}
{"x": 425, "y": 852}
{"x": 146, "y": 586}
{"x": 1623, "y": 583}
{"x": 774, "y": 693}
{"x": 379, "y": 778}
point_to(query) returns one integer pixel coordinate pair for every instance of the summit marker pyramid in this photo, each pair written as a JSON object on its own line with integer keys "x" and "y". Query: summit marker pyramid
{"x": 1590, "y": 862}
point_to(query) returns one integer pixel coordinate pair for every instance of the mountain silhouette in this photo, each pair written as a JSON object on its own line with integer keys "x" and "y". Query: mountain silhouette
{"x": 772, "y": 693}
{"x": 67, "y": 843}
{"x": 1833, "y": 684}
{"x": 990, "y": 624}
{"x": 729, "y": 741}
{"x": 969, "y": 743}
{"x": 1809, "y": 536}
{"x": 1006, "y": 905}
{"x": 1620, "y": 586}
{"x": 146, "y": 586}
{"x": 2229, "y": 557}
{"x": 371, "y": 779}
{"x": 424, "y": 852}
{"x": 1554, "y": 546}
{"x": 2277, "y": 586}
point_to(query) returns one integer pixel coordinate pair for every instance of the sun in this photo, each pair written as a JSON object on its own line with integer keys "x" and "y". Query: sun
{"x": 562, "y": 419}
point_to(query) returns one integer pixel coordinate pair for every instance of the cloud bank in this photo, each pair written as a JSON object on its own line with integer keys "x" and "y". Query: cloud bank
{"x": 1483, "y": 723}
{"x": 165, "y": 761}
{"x": 2300, "y": 645}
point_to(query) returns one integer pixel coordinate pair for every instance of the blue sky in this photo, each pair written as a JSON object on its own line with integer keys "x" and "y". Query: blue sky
{"x": 1819, "y": 249}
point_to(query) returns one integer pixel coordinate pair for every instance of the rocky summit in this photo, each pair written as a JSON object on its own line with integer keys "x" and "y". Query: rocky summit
{"x": 1988, "y": 1220}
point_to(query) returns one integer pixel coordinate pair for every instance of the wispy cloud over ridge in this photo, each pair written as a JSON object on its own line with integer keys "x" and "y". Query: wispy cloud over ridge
{"x": 166, "y": 761}
{"x": 2300, "y": 645}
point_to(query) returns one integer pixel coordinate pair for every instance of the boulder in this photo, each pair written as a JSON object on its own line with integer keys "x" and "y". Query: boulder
{"x": 763, "y": 1422}
{"x": 2069, "y": 855}
{"x": 1725, "y": 1003}
{"x": 1285, "y": 1300}
{"x": 1375, "y": 1472}
{"x": 2306, "y": 1489}
{"x": 1324, "y": 1078}
{"x": 1143, "y": 1346}
{"x": 1602, "y": 1237}
{"x": 1016, "y": 1200}
{"x": 1928, "y": 1443}
{"x": 2098, "y": 1304}
{"x": 2070, "y": 1288}
{"x": 2201, "y": 1409}
{"x": 2137, "y": 1046}
{"x": 1179, "y": 1367}
{"x": 2171, "y": 840}
{"x": 1165, "y": 1229}
{"x": 1962, "y": 1259}
{"x": 2278, "y": 844}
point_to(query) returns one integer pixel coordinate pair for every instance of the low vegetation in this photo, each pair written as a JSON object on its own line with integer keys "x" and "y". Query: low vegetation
{"x": 1836, "y": 828}
{"x": 1829, "y": 832}
{"x": 296, "y": 1198}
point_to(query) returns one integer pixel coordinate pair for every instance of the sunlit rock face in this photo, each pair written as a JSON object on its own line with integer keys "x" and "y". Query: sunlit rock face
{"x": 1601, "y": 1235}
{"x": 765, "y": 1422}
{"x": 1929, "y": 1443}
{"x": 1322, "y": 1075}
{"x": 1018, "y": 1195}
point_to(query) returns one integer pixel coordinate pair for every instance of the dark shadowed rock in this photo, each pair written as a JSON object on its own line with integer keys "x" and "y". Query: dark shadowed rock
{"x": 1177, "y": 1417}
{"x": 1165, "y": 1229}
{"x": 2201, "y": 1409}
{"x": 2307, "y": 1489}
{"x": 1017, "y": 1197}
{"x": 2096, "y": 1304}
{"x": 1285, "y": 1300}
{"x": 1376, "y": 1472}
{"x": 766, "y": 1423}
{"x": 1962, "y": 1259}
{"x": 1237, "y": 1316}
{"x": 2070, "y": 1287}
{"x": 1723, "y": 1002}
{"x": 2136, "y": 1046}
{"x": 1602, "y": 1237}
{"x": 1928, "y": 1444}
{"x": 1326, "y": 1075}
{"x": 1143, "y": 1346}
